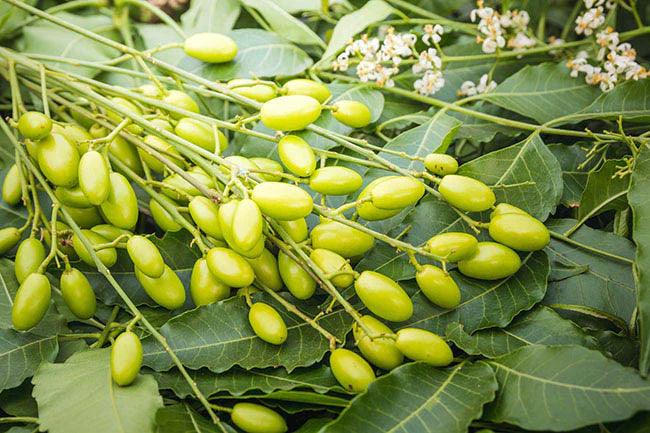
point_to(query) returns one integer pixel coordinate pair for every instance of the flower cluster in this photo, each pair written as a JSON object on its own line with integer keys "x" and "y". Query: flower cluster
{"x": 506, "y": 30}
{"x": 469, "y": 88}
{"x": 593, "y": 17}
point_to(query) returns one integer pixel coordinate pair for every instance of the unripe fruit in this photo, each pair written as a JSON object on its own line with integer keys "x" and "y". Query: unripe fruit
{"x": 108, "y": 256}
{"x": 354, "y": 114}
{"x": 12, "y": 191}
{"x": 438, "y": 286}
{"x": 78, "y": 294}
{"x": 9, "y": 237}
{"x": 266, "y": 270}
{"x": 367, "y": 210}
{"x": 300, "y": 284}
{"x": 161, "y": 217}
{"x": 441, "y": 164}
{"x": 162, "y": 125}
{"x": 350, "y": 370}
{"x": 335, "y": 180}
{"x": 491, "y": 261}
{"x": 303, "y": 86}
{"x": 452, "y": 246}
{"x": 58, "y": 159}
{"x": 29, "y": 256}
{"x": 519, "y": 231}
{"x": 84, "y": 217}
{"x": 282, "y": 201}
{"x": 297, "y": 155}
{"x": 201, "y": 134}
{"x": 94, "y": 177}
{"x": 383, "y": 296}
{"x": 252, "y": 89}
{"x": 126, "y": 358}
{"x": 296, "y": 229}
{"x": 254, "y": 418}
{"x": 34, "y": 125}
{"x": 126, "y": 153}
{"x": 505, "y": 208}
{"x": 227, "y": 222}
{"x": 180, "y": 100}
{"x": 420, "y": 345}
{"x": 341, "y": 239}
{"x": 129, "y": 107}
{"x": 166, "y": 150}
{"x": 290, "y": 113}
{"x": 80, "y": 118}
{"x": 145, "y": 256}
{"x": 270, "y": 166}
{"x": 248, "y": 224}
{"x": 205, "y": 288}
{"x": 31, "y": 302}
{"x": 330, "y": 262}
{"x": 381, "y": 352}
{"x": 205, "y": 214}
{"x": 466, "y": 194}
{"x": 166, "y": 290}
{"x": 267, "y": 323}
{"x": 77, "y": 136}
{"x": 149, "y": 90}
{"x": 121, "y": 206}
{"x": 110, "y": 232}
{"x": 72, "y": 197}
{"x": 210, "y": 47}
{"x": 397, "y": 193}
{"x": 230, "y": 268}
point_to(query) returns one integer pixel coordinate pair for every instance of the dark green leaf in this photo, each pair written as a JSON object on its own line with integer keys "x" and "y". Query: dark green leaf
{"x": 604, "y": 190}
{"x": 181, "y": 418}
{"x": 629, "y": 100}
{"x": 12, "y": 17}
{"x": 570, "y": 157}
{"x": 18, "y": 401}
{"x": 21, "y": 354}
{"x": 209, "y": 15}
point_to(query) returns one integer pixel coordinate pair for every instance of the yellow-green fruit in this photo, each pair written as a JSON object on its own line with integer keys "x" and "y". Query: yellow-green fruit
{"x": 32, "y": 148}
{"x": 505, "y": 208}
{"x": 58, "y": 160}
{"x": 77, "y": 136}
{"x": 267, "y": 323}
{"x": 210, "y": 47}
{"x": 354, "y": 114}
{"x": 290, "y": 113}
{"x": 453, "y": 246}
{"x": 381, "y": 352}
{"x": 108, "y": 256}
{"x": 118, "y": 117}
{"x": 441, "y": 164}
{"x": 126, "y": 153}
{"x": 330, "y": 262}
{"x": 72, "y": 197}
{"x": 80, "y": 118}
{"x": 266, "y": 270}
{"x": 149, "y": 90}
{"x": 296, "y": 229}
{"x": 12, "y": 191}
{"x": 176, "y": 182}
{"x": 239, "y": 162}
{"x": 97, "y": 131}
{"x": 297, "y": 155}
{"x": 121, "y": 206}
{"x": 9, "y": 237}
{"x": 84, "y": 217}
{"x": 519, "y": 231}
{"x": 302, "y": 86}
{"x": 126, "y": 358}
{"x": 282, "y": 201}
{"x": 164, "y": 148}
{"x": 31, "y": 302}
{"x": 166, "y": 290}
{"x": 205, "y": 214}
{"x": 341, "y": 239}
{"x": 227, "y": 222}
{"x": 350, "y": 370}
{"x": 230, "y": 268}
{"x": 252, "y": 89}
{"x": 110, "y": 232}
{"x": 397, "y": 192}
{"x": 78, "y": 293}
{"x": 335, "y": 180}
{"x": 161, "y": 217}
{"x": 145, "y": 256}
{"x": 182, "y": 101}
{"x": 383, "y": 296}
{"x": 466, "y": 193}
{"x": 438, "y": 286}
{"x": 94, "y": 177}
{"x": 162, "y": 125}
{"x": 254, "y": 418}
{"x": 248, "y": 224}
{"x": 201, "y": 134}
{"x": 491, "y": 261}
{"x": 298, "y": 281}
{"x": 34, "y": 125}
{"x": 29, "y": 256}
{"x": 205, "y": 288}
{"x": 270, "y": 166}
{"x": 420, "y": 345}
{"x": 367, "y": 210}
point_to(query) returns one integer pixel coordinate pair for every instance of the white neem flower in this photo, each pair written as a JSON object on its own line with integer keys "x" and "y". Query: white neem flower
{"x": 430, "y": 83}
{"x": 520, "y": 42}
{"x": 590, "y": 20}
{"x": 427, "y": 60}
{"x": 432, "y": 34}
{"x": 342, "y": 62}
{"x": 468, "y": 88}
{"x": 577, "y": 63}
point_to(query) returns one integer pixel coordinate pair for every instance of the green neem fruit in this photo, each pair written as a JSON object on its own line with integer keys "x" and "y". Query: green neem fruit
{"x": 34, "y": 125}
{"x": 201, "y": 134}
{"x": 97, "y": 131}
{"x": 161, "y": 217}
{"x": 9, "y": 237}
{"x": 227, "y": 222}
{"x": 354, "y": 114}
{"x": 519, "y": 231}
{"x": 162, "y": 125}
{"x": 29, "y": 256}
{"x": 110, "y": 232}
{"x": 145, "y": 256}
{"x": 32, "y": 148}
{"x": 230, "y": 268}
{"x": 383, "y": 296}
{"x": 397, "y": 192}
{"x": 367, "y": 210}
{"x": 290, "y": 113}
{"x": 78, "y": 293}
{"x": 72, "y": 197}
{"x": 420, "y": 345}
{"x": 121, "y": 206}
{"x": 77, "y": 136}
{"x": 438, "y": 286}
{"x": 491, "y": 261}
{"x": 270, "y": 166}
{"x": 282, "y": 201}
{"x": 12, "y": 186}
{"x": 453, "y": 246}
{"x": 267, "y": 323}
{"x": 252, "y": 89}
{"x": 205, "y": 214}
{"x": 239, "y": 162}
{"x": 118, "y": 117}
{"x": 266, "y": 270}
{"x": 58, "y": 160}
{"x": 108, "y": 256}
{"x": 341, "y": 239}
{"x": 505, "y": 208}
{"x": 205, "y": 288}
{"x": 149, "y": 90}
{"x": 298, "y": 281}
{"x": 126, "y": 358}
{"x": 441, "y": 164}
{"x": 297, "y": 155}
{"x": 381, "y": 351}
{"x": 350, "y": 370}
{"x": 182, "y": 101}
{"x": 330, "y": 262}
{"x": 177, "y": 182}
{"x": 126, "y": 153}
{"x": 85, "y": 217}
{"x": 335, "y": 180}
{"x": 94, "y": 177}
{"x": 210, "y": 47}
{"x": 166, "y": 290}
{"x": 254, "y": 418}
{"x": 160, "y": 145}
{"x": 31, "y": 302}
{"x": 248, "y": 224}
{"x": 302, "y": 86}
{"x": 296, "y": 229}
{"x": 81, "y": 119}
{"x": 466, "y": 194}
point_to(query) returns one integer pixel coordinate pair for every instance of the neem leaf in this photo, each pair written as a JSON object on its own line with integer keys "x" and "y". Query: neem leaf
{"x": 210, "y": 16}
{"x": 181, "y": 418}
{"x": 20, "y": 355}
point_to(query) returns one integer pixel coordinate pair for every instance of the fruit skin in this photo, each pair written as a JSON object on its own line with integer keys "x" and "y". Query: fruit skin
{"x": 58, "y": 159}
{"x": 282, "y": 201}
{"x": 248, "y": 224}
{"x": 290, "y": 113}
{"x": 441, "y": 164}
{"x": 255, "y": 418}
{"x": 210, "y": 47}
{"x": 466, "y": 194}
{"x": 519, "y": 231}
{"x": 77, "y": 136}
{"x": 298, "y": 281}
{"x": 145, "y": 256}
{"x": 341, "y": 239}
{"x": 354, "y": 114}
{"x": 110, "y": 232}
{"x": 205, "y": 214}
{"x": 166, "y": 290}
{"x": 438, "y": 286}
{"x": 252, "y": 89}
{"x": 34, "y": 125}
{"x": 227, "y": 222}
{"x": 31, "y": 302}
{"x": 12, "y": 191}
{"x": 78, "y": 293}
{"x": 267, "y": 323}
{"x": 126, "y": 358}
{"x": 29, "y": 256}
{"x": 303, "y": 86}
{"x": 297, "y": 155}
{"x": 84, "y": 217}
{"x": 176, "y": 182}
{"x": 350, "y": 370}
{"x": 266, "y": 270}
{"x": 230, "y": 268}
{"x": 420, "y": 345}
{"x": 205, "y": 288}
{"x": 397, "y": 193}
{"x": 108, "y": 256}
{"x": 381, "y": 352}
{"x": 330, "y": 262}
{"x": 505, "y": 208}
{"x": 9, "y": 236}
{"x": 72, "y": 197}
{"x": 121, "y": 206}
{"x": 335, "y": 180}
{"x": 129, "y": 107}
{"x": 491, "y": 261}
{"x": 126, "y": 153}
{"x": 383, "y": 296}
{"x": 162, "y": 218}
{"x": 94, "y": 177}
{"x": 367, "y": 210}
{"x": 160, "y": 145}
{"x": 296, "y": 229}
{"x": 453, "y": 246}
{"x": 200, "y": 133}
{"x": 269, "y": 165}
{"x": 180, "y": 100}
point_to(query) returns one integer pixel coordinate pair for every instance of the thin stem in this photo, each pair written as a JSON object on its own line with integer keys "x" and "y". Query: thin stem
{"x": 568, "y": 240}
{"x": 159, "y": 14}
{"x": 18, "y": 419}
